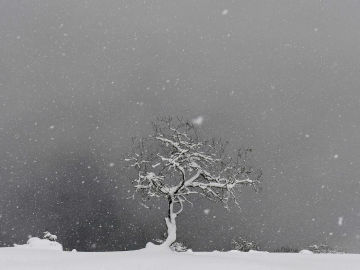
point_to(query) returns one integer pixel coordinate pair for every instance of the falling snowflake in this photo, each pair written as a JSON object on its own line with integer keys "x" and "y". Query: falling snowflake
{"x": 340, "y": 221}
{"x": 198, "y": 120}
{"x": 225, "y": 12}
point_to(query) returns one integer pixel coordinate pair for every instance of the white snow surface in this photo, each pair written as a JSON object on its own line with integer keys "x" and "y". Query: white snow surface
{"x": 156, "y": 258}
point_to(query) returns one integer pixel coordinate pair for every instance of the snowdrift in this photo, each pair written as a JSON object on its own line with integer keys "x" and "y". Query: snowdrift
{"x": 37, "y": 243}
{"x": 158, "y": 259}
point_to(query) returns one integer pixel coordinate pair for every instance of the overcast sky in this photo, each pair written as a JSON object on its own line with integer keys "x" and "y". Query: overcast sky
{"x": 79, "y": 78}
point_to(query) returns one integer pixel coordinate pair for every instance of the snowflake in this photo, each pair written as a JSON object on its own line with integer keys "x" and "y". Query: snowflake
{"x": 198, "y": 120}
{"x": 225, "y": 12}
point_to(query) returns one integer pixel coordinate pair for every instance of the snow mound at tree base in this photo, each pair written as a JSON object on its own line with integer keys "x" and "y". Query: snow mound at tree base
{"x": 37, "y": 243}
{"x": 156, "y": 247}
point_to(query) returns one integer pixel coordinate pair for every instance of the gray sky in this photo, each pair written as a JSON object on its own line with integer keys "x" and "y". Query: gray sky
{"x": 79, "y": 78}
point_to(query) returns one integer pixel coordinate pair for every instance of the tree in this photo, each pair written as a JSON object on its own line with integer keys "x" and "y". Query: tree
{"x": 243, "y": 244}
{"x": 174, "y": 163}
{"x": 49, "y": 236}
{"x": 323, "y": 248}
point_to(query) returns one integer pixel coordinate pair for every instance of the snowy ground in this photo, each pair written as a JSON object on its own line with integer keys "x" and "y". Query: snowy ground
{"x": 39, "y": 259}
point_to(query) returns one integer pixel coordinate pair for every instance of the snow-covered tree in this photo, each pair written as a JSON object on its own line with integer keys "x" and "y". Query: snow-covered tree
{"x": 242, "y": 244}
{"x": 323, "y": 248}
{"x": 174, "y": 163}
{"x": 49, "y": 236}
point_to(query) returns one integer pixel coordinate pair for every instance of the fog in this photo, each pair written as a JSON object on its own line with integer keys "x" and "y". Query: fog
{"x": 78, "y": 79}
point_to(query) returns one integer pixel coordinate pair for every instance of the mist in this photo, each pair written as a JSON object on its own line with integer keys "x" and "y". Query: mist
{"x": 79, "y": 79}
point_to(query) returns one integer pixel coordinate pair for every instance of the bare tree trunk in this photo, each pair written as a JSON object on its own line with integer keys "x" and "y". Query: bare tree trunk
{"x": 171, "y": 224}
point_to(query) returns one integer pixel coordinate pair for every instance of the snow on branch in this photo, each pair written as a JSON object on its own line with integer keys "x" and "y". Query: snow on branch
{"x": 175, "y": 163}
